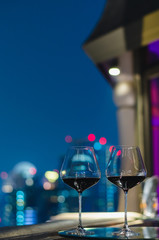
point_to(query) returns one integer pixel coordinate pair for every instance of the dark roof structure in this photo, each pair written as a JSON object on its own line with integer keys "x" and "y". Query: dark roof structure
{"x": 124, "y": 25}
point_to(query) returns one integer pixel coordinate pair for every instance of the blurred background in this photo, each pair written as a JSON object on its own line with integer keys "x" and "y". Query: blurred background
{"x": 75, "y": 72}
{"x": 51, "y": 96}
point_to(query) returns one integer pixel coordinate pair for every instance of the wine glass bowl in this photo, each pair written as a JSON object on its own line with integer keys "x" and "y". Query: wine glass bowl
{"x": 125, "y": 169}
{"x": 80, "y": 171}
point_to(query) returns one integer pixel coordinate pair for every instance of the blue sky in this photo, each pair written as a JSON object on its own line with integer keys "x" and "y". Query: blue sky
{"x": 49, "y": 86}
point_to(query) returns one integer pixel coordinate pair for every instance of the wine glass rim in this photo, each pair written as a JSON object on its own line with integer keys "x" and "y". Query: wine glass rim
{"x": 81, "y": 147}
{"x": 125, "y": 147}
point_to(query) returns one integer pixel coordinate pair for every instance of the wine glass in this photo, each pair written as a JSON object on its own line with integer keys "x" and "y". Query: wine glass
{"x": 80, "y": 171}
{"x": 125, "y": 169}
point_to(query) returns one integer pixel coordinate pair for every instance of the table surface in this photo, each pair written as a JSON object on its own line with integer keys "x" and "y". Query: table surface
{"x": 49, "y": 231}
{"x": 41, "y": 236}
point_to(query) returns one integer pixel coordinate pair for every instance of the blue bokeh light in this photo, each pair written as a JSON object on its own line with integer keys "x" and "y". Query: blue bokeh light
{"x": 97, "y": 146}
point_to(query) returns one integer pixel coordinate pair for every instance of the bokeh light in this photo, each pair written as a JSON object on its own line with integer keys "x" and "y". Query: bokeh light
{"x": 68, "y": 139}
{"x": 118, "y": 153}
{"x": 47, "y": 185}
{"x": 51, "y": 176}
{"x": 91, "y": 137}
{"x": 7, "y": 188}
{"x": 97, "y": 146}
{"x": 20, "y": 208}
{"x": 4, "y": 175}
{"x": 103, "y": 140}
{"x": 114, "y": 71}
{"x": 29, "y": 182}
{"x": 110, "y": 149}
{"x": 61, "y": 199}
{"x": 32, "y": 171}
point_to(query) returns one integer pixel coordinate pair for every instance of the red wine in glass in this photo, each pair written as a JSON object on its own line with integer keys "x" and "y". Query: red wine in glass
{"x": 81, "y": 184}
{"x": 125, "y": 169}
{"x": 126, "y": 182}
{"x": 80, "y": 171}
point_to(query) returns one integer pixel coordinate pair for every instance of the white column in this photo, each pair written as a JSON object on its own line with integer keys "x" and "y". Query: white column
{"x": 125, "y": 99}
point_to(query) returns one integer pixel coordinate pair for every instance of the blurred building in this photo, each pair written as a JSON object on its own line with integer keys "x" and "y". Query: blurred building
{"x": 27, "y": 198}
{"x": 124, "y": 46}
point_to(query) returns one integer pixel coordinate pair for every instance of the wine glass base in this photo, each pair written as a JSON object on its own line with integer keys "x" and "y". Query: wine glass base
{"x": 126, "y": 232}
{"x": 79, "y": 232}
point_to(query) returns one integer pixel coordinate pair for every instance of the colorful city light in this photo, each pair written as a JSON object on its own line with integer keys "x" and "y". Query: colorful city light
{"x": 47, "y": 185}
{"x": 97, "y": 146}
{"x": 103, "y": 140}
{"x": 4, "y": 175}
{"x": 7, "y": 188}
{"x": 51, "y": 176}
{"x": 118, "y": 153}
{"x": 63, "y": 172}
{"x": 91, "y": 137}
{"x": 20, "y": 208}
{"x": 30, "y": 216}
{"x": 29, "y": 182}
{"x": 32, "y": 171}
{"x": 61, "y": 199}
{"x": 110, "y": 149}
{"x": 68, "y": 139}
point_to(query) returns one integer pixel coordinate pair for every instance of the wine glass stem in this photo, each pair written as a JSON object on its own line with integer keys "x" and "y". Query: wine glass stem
{"x": 126, "y": 221}
{"x": 80, "y": 209}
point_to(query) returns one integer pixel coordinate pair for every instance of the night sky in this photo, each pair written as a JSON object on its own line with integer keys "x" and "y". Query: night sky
{"x": 49, "y": 87}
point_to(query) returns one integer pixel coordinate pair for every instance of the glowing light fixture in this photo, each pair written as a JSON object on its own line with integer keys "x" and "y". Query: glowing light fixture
{"x": 114, "y": 71}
